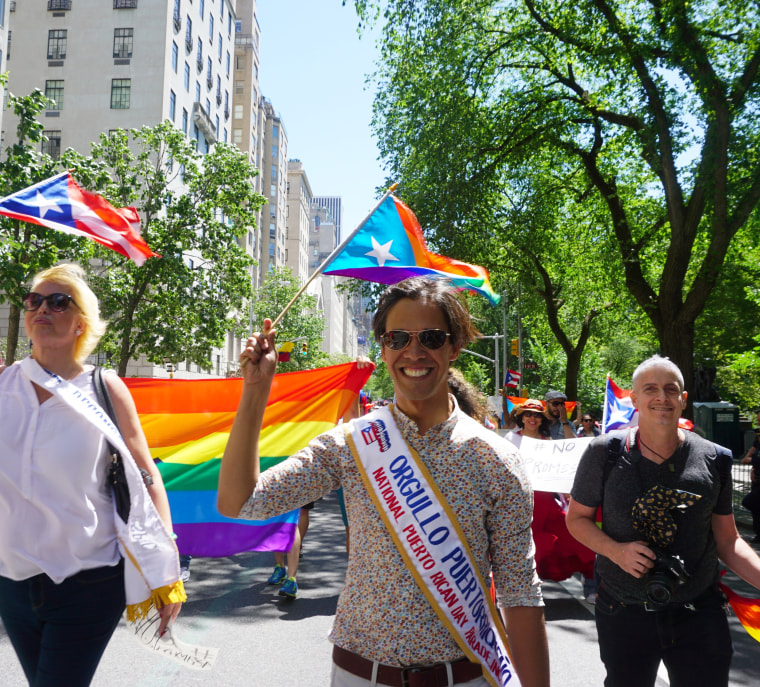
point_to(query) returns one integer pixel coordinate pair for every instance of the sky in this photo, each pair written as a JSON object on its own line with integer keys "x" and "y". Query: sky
{"x": 313, "y": 66}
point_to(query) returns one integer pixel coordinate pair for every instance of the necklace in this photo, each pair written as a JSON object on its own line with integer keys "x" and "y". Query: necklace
{"x": 659, "y": 455}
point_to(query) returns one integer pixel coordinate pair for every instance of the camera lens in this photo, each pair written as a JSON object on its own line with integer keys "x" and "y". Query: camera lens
{"x": 658, "y": 589}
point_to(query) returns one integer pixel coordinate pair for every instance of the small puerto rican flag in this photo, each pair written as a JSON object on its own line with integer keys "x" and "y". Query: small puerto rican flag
{"x": 512, "y": 380}
{"x": 618, "y": 408}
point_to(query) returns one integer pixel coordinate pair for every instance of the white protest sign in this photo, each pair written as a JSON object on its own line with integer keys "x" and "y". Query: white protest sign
{"x": 146, "y": 632}
{"x": 550, "y": 465}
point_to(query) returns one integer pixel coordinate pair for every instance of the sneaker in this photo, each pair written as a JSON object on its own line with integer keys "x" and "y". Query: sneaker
{"x": 278, "y": 575}
{"x": 289, "y": 588}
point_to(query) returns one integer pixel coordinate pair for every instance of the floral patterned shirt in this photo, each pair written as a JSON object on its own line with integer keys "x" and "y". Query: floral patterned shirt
{"x": 382, "y": 614}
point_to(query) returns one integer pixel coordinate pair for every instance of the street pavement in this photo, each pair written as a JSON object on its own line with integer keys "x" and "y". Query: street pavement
{"x": 266, "y": 640}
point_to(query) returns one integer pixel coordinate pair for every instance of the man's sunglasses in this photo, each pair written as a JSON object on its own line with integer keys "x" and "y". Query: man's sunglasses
{"x": 57, "y": 302}
{"x": 556, "y": 403}
{"x": 399, "y": 339}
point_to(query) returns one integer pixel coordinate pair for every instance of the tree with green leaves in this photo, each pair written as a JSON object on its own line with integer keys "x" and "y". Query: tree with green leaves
{"x": 650, "y": 104}
{"x": 302, "y": 325}
{"x": 26, "y": 248}
{"x": 193, "y": 209}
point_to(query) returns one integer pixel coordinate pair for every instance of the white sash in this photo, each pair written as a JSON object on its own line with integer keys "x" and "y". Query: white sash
{"x": 151, "y": 560}
{"x": 430, "y": 540}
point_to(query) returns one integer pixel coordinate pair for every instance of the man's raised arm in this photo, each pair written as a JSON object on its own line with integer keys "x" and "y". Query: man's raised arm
{"x": 239, "y": 471}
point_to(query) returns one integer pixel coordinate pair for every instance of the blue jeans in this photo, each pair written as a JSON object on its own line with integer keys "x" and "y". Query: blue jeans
{"x": 695, "y": 645}
{"x": 60, "y": 631}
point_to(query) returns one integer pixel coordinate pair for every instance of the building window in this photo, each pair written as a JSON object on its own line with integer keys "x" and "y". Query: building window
{"x": 211, "y": 29}
{"x": 189, "y": 34}
{"x": 52, "y": 146}
{"x": 197, "y": 91}
{"x": 187, "y": 77}
{"x": 56, "y": 48}
{"x": 202, "y": 7}
{"x": 54, "y": 92}
{"x": 238, "y": 111}
{"x": 125, "y": 4}
{"x": 172, "y": 105}
{"x": 219, "y": 48}
{"x": 58, "y": 5}
{"x": 239, "y": 88}
{"x": 199, "y": 55}
{"x": 120, "y": 93}
{"x": 176, "y": 14}
{"x": 237, "y": 136}
{"x": 122, "y": 42}
{"x": 184, "y": 120}
{"x": 209, "y": 73}
{"x": 175, "y": 57}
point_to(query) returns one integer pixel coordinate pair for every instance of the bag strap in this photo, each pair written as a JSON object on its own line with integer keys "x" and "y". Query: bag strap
{"x": 104, "y": 397}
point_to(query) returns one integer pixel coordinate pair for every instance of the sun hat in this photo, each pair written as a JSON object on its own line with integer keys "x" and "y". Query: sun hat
{"x": 530, "y": 404}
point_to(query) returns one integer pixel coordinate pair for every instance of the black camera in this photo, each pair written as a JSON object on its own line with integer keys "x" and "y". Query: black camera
{"x": 667, "y": 574}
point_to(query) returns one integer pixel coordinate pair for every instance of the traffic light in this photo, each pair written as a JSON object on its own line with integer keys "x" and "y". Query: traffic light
{"x": 304, "y": 348}
{"x": 514, "y": 347}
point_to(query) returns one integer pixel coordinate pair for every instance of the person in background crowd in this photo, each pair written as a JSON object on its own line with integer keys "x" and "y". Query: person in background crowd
{"x": 587, "y": 427}
{"x": 379, "y": 639}
{"x": 561, "y": 427}
{"x": 558, "y": 554}
{"x": 666, "y": 497}
{"x": 62, "y": 589}
{"x": 531, "y": 419}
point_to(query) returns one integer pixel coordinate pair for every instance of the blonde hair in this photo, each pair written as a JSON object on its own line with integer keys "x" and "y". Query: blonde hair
{"x": 72, "y": 276}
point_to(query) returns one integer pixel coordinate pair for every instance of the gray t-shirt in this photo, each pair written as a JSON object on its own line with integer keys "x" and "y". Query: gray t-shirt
{"x": 698, "y": 466}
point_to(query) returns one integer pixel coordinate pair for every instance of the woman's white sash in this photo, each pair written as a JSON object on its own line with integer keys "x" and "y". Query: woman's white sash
{"x": 430, "y": 540}
{"x": 151, "y": 561}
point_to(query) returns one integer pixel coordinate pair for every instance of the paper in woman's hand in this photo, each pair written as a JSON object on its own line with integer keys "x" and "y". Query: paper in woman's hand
{"x": 146, "y": 632}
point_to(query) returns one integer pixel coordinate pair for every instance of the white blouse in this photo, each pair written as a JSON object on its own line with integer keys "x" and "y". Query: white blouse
{"x": 56, "y": 513}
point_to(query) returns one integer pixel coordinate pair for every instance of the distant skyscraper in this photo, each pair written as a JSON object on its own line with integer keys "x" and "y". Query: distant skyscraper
{"x": 334, "y": 205}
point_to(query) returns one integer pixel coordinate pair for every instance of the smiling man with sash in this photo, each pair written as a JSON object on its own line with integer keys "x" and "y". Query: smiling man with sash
{"x": 436, "y": 503}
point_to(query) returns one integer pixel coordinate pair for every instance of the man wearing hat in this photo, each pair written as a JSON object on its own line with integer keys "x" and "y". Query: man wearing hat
{"x": 561, "y": 427}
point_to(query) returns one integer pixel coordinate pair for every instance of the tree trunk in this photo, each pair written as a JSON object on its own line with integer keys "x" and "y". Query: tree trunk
{"x": 11, "y": 345}
{"x": 677, "y": 343}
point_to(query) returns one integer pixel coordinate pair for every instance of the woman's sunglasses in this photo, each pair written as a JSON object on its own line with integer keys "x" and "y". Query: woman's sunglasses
{"x": 57, "y": 302}
{"x": 532, "y": 413}
{"x": 399, "y": 339}
{"x": 587, "y": 419}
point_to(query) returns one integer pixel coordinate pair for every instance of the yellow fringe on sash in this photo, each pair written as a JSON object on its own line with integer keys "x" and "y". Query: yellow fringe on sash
{"x": 171, "y": 594}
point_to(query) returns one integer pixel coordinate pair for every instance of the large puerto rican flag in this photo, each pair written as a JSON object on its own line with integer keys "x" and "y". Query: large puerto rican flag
{"x": 60, "y": 203}
{"x": 618, "y": 408}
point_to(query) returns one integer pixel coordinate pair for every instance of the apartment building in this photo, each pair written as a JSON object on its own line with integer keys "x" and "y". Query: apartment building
{"x": 298, "y": 220}
{"x": 124, "y": 64}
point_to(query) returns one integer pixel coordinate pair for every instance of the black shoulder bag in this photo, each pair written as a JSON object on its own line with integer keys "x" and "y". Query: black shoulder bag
{"x": 115, "y": 476}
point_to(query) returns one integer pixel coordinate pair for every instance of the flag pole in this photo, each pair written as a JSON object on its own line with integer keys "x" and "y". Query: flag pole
{"x": 332, "y": 255}
{"x": 327, "y": 260}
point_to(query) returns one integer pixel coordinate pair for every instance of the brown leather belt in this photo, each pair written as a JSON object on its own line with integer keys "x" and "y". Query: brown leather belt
{"x": 429, "y": 676}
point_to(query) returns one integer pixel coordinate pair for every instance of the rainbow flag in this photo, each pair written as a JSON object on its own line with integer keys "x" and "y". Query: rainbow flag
{"x": 390, "y": 247}
{"x": 187, "y": 423}
{"x": 747, "y": 611}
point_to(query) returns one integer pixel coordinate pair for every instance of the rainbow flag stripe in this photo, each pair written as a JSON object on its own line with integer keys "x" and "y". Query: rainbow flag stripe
{"x": 390, "y": 247}
{"x": 187, "y": 423}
